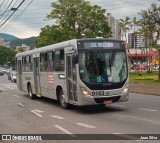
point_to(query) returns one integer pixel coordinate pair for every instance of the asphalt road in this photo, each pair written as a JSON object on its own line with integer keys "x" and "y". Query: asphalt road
{"x": 20, "y": 115}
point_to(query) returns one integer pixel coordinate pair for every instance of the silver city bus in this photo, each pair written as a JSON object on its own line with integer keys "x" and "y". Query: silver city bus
{"x": 79, "y": 72}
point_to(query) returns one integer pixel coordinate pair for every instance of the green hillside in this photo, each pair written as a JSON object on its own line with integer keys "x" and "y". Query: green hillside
{"x": 18, "y": 42}
{"x": 7, "y": 37}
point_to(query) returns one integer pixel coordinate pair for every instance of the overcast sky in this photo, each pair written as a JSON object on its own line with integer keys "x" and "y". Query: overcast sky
{"x": 24, "y": 24}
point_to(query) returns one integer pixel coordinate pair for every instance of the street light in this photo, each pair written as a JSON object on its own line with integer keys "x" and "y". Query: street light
{"x": 12, "y": 9}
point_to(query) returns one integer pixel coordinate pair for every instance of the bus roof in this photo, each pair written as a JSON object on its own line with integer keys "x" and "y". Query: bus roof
{"x": 62, "y": 44}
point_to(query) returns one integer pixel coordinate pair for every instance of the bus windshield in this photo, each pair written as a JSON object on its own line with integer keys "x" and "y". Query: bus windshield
{"x": 103, "y": 67}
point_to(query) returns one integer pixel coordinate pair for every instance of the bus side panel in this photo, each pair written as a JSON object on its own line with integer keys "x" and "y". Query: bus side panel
{"x": 46, "y": 83}
{"x": 49, "y": 81}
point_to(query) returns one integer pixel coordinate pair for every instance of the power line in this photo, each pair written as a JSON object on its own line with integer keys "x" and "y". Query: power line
{"x": 2, "y": 3}
{"x": 16, "y": 18}
{"x": 6, "y": 12}
{"x": 6, "y": 9}
{"x": 12, "y": 14}
{"x": 111, "y": 6}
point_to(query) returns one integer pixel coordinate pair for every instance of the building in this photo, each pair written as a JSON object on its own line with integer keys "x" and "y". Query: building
{"x": 7, "y": 44}
{"x": 115, "y": 28}
{"x": 2, "y": 42}
{"x": 137, "y": 41}
{"x": 22, "y": 48}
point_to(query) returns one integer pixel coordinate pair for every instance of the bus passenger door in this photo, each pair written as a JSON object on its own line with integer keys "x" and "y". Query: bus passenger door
{"x": 71, "y": 79}
{"x": 36, "y": 75}
{"x": 19, "y": 73}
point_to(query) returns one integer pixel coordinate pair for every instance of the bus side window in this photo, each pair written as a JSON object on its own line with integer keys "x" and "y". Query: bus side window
{"x": 42, "y": 62}
{"x": 53, "y": 55}
{"x": 23, "y": 63}
{"x": 28, "y": 63}
{"x": 49, "y": 61}
{"x": 59, "y": 60}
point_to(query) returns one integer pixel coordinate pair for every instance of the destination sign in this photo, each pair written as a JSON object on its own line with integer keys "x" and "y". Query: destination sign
{"x": 100, "y": 45}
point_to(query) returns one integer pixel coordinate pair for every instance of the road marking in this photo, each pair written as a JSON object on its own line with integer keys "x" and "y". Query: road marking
{"x": 21, "y": 104}
{"x": 10, "y": 88}
{"x": 64, "y": 130}
{"x": 139, "y": 140}
{"x": 57, "y": 117}
{"x": 117, "y": 133}
{"x": 16, "y": 96}
{"x": 148, "y": 109}
{"x": 142, "y": 119}
{"x": 38, "y": 102}
{"x": 85, "y": 125}
{"x": 35, "y": 112}
{"x": 118, "y": 105}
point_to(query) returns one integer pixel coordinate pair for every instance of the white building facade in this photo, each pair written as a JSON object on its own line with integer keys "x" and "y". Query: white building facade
{"x": 115, "y": 28}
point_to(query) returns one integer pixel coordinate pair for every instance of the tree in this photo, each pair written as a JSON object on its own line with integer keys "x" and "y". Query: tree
{"x": 54, "y": 34}
{"x": 154, "y": 14}
{"x": 124, "y": 27}
{"x": 151, "y": 25}
{"x": 7, "y": 55}
{"x": 74, "y": 19}
{"x": 20, "y": 49}
{"x": 135, "y": 23}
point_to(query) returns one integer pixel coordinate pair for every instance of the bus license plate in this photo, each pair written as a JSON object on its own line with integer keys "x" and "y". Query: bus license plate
{"x": 108, "y": 101}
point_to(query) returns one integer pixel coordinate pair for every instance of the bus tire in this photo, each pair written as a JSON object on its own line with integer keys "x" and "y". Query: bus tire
{"x": 62, "y": 100}
{"x": 31, "y": 95}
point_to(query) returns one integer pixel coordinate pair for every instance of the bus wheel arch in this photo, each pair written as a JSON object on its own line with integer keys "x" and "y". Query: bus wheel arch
{"x": 61, "y": 97}
{"x": 28, "y": 84}
{"x": 29, "y": 87}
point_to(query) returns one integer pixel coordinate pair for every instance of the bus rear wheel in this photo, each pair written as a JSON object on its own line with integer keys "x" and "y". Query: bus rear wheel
{"x": 31, "y": 95}
{"x": 62, "y": 100}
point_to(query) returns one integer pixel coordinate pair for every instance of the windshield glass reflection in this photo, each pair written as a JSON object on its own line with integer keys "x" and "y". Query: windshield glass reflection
{"x": 98, "y": 67}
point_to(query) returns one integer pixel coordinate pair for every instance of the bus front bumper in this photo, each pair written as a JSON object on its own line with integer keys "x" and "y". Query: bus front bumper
{"x": 90, "y": 100}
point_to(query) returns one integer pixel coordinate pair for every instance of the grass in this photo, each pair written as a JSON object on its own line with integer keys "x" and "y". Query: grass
{"x": 145, "y": 77}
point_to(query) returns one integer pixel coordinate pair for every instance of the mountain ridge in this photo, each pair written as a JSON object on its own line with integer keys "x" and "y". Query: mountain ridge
{"x": 15, "y": 41}
{"x": 7, "y": 37}
{"x": 18, "y": 42}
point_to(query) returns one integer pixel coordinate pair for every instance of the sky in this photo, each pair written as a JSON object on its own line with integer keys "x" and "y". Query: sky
{"x": 28, "y": 20}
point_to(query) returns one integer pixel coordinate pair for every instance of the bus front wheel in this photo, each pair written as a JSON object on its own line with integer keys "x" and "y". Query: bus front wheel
{"x": 62, "y": 100}
{"x": 31, "y": 95}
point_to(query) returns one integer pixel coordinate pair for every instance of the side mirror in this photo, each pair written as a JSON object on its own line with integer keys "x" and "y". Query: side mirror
{"x": 75, "y": 58}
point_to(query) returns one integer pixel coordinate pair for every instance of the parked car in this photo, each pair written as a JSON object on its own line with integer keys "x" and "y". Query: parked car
{"x": 141, "y": 67}
{"x": 156, "y": 67}
{"x": 4, "y": 70}
{"x": 1, "y": 72}
{"x": 9, "y": 71}
{"x": 13, "y": 76}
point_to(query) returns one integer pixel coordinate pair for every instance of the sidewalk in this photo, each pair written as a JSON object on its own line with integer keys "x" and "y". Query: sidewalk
{"x": 144, "y": 88}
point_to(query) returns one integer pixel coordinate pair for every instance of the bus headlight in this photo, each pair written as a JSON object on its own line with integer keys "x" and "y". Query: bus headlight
{"x": 126, "y": 90}
{"x": 84, "y": 91}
